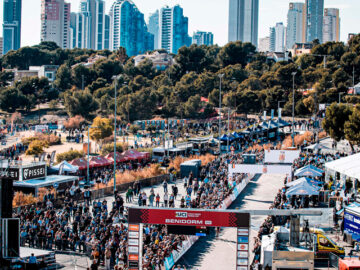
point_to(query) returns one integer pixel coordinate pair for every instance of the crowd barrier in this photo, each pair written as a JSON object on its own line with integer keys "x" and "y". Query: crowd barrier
{"x": 190, "y": 240}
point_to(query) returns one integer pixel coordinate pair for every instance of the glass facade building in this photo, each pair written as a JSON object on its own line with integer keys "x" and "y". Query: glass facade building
{"x": 314, "y": 20}
{"x": 11, "y": 25}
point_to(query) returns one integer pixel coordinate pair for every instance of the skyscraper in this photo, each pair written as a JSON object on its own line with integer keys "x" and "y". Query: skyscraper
{"x": 264, "y": 44}
{"x": 128, "y": 28}
{"x": 203, "y": 38}
{"x": 11, "y": 25}
{"x": 295, "y": 24}
{"x": 173, "y": 29}
{"x": 153, "y": 27}
{"x": 314, "y": 20}
{"x": 55, "y": 22}
{"x": 277, "y": 38}
{"x": 331, "y": 25}
{"x": 244, "y": 20}
{"x": 1, "y": 46}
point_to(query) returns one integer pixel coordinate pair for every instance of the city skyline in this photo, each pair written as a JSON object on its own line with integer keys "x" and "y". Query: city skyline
{"x": 32, "y": 24}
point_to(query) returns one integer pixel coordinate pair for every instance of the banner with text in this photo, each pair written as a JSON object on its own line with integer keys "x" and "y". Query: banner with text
{"x": 281, "y": 156}
{"x": 259, "y": 169}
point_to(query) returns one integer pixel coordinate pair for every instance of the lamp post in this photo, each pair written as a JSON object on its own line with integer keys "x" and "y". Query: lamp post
{"x": 88, "y": 157}
{"x": 340, "y": 94}
{"x": 293, "y": 110}
{"x": 220, "y": 76}
{"x": 278, "y": 133}
{"x": 115, "y": 78}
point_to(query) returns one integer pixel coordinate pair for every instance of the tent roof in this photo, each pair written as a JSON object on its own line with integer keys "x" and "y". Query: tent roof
{"x": 302, "y": 189}
{"x": 134, "y": 155}
{"x": 309, "y": 171}
{"x": 119, "y": 157}
{"x": 99, "y": 161}
{"x": 80, "y": 162}
{"x": 317, "y": 146}
{"x": 302, "y": 180}
{"x": 67, "y": 167}
{"x": 348, "y": 166}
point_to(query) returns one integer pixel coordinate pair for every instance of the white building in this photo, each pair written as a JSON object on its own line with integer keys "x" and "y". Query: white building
{"x": 277, "y": 38}
{"x": 160, "y": 60}
{"x": 47, "y": 71}
{"x": 55, "y": 22}
{"x": 264, "y": 44}
{"x": 295, "y": 31}
{"x": 331, "y": 25}
{"x": 203, "y": 38}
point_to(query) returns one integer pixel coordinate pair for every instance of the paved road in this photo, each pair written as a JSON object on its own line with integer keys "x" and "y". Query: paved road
{"x": 219, "y": 253}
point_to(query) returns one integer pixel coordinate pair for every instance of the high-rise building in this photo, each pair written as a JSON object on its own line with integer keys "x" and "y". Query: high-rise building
{"x": 153, "y": 27}
{"x": 264, "y": 44}
{"x": 128, "y": 28}
{"x": 55, "y": 22}
{"x": 244, "y": 20}
{"x": 331, "y": 25}
{"x": 203, "y": 38}
{"x": 295, "y": 30}
{"x": 173, "y": 29}
{"x": 1, "y": 46}
{"x": 73, "y": 18}
{"x": 107, "y": 32}
{"x": 314, "y": 20}
{"x": 11, "y": 25}
{"x": 277, "y": 38}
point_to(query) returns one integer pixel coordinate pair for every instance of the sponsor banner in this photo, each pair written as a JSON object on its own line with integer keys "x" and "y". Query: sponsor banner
{"x": 242, "y": 254}
{"x": 260, "y": 169}
{"x": 241, "y": 268}
{"x": 133, "y": 234}
{"x": 242, "y": 261}
{"x": 351, "y": 222}
{"x": 243, "y": 239}
{"x": 281, "y": 156}
{"x": 33, "y": 172}
{"x": 10, "y": 173}
{"x": 134, "y": 227}
{"x": 244, "y": 232}
{"x": 133, "y": 257}
{"x": 189, "y": 217}
{"x": 133, "y": 242}
{"x": 134, "y": 249}
{"x": 243, "y": 247}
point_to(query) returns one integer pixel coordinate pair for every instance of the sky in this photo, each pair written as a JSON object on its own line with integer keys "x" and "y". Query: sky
{"x": 204, "y": 15}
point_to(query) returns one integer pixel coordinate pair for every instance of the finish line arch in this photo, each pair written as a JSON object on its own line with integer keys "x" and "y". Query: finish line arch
{"x": 185, "y": 217}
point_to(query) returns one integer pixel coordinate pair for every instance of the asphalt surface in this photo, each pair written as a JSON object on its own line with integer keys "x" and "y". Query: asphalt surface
{"x": 215, "y": 253}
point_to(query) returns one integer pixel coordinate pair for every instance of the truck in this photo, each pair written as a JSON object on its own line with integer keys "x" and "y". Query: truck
{"x": 324, "y": 245}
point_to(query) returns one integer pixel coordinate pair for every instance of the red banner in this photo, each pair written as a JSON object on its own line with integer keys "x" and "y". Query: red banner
{"x": 208, "y": 218}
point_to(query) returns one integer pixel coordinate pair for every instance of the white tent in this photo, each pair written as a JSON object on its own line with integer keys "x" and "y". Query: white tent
{"x": 349, "y": 166}
{"x": 317, "y": 147}
{"x": 67, "y": 167}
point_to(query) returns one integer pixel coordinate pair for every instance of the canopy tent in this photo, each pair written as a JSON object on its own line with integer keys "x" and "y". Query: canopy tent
{"x": 237, "y": 135}
{"x": 348, "y": 166}
{"x": 283, "y": 123}
{"x": 317, "y": 147}
{"x": 303, "y": 189}
{"x": 312, "y": 182}
{"x": 119, "y": 157}
{"x": 67, "y": 167}
{"x": 227, "y": 138}
{"x": 134, "y": 155}
{"x": 81, "y": 163}
{"x": 310, "y": 171}
{"x": 354, "y": 205}
{"x": 99, "y": 161}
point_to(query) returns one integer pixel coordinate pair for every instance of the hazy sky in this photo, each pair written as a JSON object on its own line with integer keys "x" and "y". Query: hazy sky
{"x": 204, "y": 15}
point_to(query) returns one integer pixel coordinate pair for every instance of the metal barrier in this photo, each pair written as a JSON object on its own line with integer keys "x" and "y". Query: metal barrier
{"x": 333, "y": 260}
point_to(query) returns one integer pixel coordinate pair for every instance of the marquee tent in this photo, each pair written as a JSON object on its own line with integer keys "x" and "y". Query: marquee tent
{"x": 301, "y": 180}
{"x": 135, "y": 155}
{"x": 310, "y": 171}
{"x": 317, "y": 147}
{"x": 67, "y": 167}
{"x": 80, "y": 162}
{"x": 348, "y": 166}
{"x": 99, "y": 161}
{"x": 302, "y": 189}
{"x": 119, "y": 157}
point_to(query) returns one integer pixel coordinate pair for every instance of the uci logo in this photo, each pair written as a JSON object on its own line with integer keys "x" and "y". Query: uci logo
{"x": 181, "y": 215}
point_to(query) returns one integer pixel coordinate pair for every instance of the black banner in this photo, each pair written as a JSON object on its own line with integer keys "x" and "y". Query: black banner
{"x": 10, "y": 173}
{"x": 33, "y": 172}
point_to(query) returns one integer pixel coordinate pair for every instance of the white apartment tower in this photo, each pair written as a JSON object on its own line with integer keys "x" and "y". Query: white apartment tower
{"x": 55, "y": 22}
{"x": 295, "y": 31}
{"x": 331, "y": 25}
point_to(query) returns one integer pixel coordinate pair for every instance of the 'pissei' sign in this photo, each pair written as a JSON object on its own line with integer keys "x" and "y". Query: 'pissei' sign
{"x": 33, "y": 172}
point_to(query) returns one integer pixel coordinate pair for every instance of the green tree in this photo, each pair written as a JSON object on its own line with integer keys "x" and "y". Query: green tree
{"x": 352, "y": 127}
{"x": 36, "y": 148}
{"x": 5, "y": 78}
{"x": 101, "y": 129}
{"x": 192, "y": 107}
{"x": 63, "y": 79}
{"x": 12, "y": 99}
{"x": 335, "y": 118}
{"x": 69, "y": 155}
{"x": 235, "y": 53}
{"x": 80, "y": 103}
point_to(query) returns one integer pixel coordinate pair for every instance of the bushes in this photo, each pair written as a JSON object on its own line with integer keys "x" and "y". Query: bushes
{"x": 69, "y": 155}
{"x": 21, "y": 199}
{"x": 109, "y": 148}
{"x": 205, "y": 159}
{"x": 74, "y": 122}
{"x": 36, "y": 148}
{"x": 50, "y": 139}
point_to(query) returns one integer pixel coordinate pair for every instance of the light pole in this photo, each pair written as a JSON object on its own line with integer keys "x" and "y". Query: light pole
{"x": 340, "y": 94}
{"x": 228, "y": 127}
{"x": 82, "y": 82}
{"x": 278, "y": 133}
{"x": 220, "y": 76}
{"x": 115, "y": 78}
{"x": 293, "y": 110}
{"x": 88, "y": 157}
